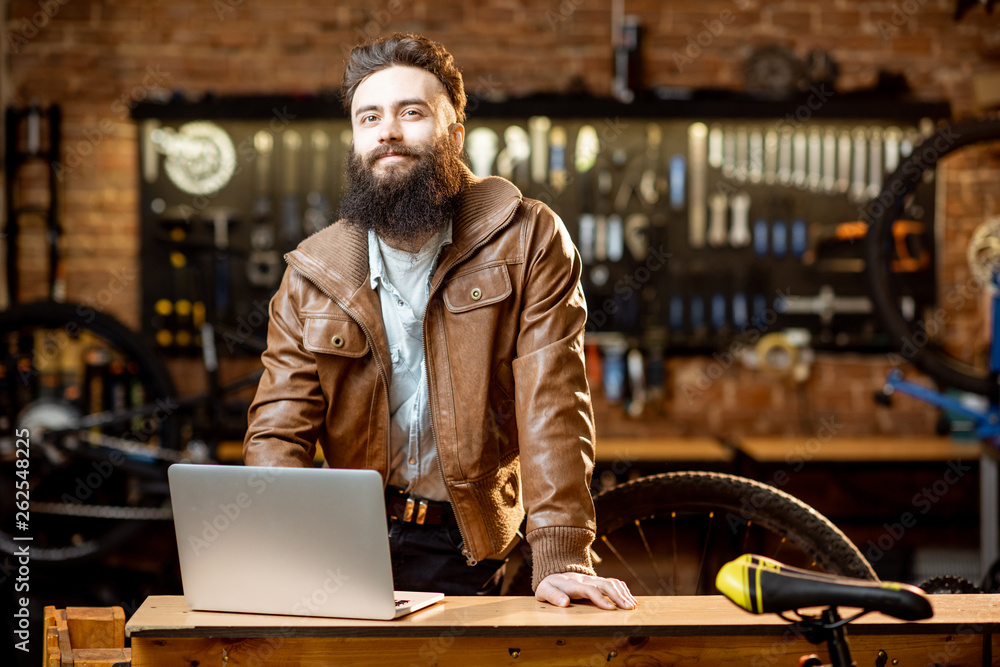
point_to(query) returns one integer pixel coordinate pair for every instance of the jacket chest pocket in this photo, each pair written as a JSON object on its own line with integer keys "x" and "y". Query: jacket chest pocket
{"x": 332, "y": 336}
{"x": 475, "y": 289}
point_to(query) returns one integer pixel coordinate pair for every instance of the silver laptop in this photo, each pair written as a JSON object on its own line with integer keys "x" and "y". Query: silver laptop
{"x": 299, "y": 541}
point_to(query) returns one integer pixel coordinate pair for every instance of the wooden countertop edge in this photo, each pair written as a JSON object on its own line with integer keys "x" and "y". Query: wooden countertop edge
{"x": 678, "y": 616}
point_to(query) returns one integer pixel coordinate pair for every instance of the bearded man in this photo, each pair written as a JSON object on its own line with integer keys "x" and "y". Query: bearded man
{"x": 435, "y": 334}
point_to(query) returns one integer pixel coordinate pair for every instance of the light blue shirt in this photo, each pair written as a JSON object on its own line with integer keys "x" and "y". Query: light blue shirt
{"x": 403, "y": 281}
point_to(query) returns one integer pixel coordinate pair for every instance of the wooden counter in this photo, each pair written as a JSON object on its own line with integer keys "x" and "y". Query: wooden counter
{"x": 882, "y": 449}
{"x": 662, "y": 449}
{"x": 707, "y": 630}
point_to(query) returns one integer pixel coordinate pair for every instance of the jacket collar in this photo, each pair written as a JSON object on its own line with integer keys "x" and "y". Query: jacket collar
{"x": 335, "y": 259}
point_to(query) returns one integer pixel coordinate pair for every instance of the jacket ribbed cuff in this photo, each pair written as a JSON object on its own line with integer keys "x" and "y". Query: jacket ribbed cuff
{"x": 558, "y": 549}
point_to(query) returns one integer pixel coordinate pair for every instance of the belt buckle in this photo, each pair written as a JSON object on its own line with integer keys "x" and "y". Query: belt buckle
{"x": 421, "y": 508}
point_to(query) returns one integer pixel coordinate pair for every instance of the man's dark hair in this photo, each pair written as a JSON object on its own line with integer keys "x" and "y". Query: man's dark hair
{"x": 407, "y": 50}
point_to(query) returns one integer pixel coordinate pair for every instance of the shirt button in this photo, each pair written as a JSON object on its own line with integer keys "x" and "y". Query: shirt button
{"x": 400, "y": 303}
{"x": 412, "y": 461}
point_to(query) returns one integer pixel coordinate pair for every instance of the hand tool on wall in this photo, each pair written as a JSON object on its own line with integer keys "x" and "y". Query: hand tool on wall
{"x": 558, "y": 174}
{"x": 779, "y": 239}
{"x": 755, "y": 169}
{"x": 728, "y": 153}
{"x": 718, "y": 207}
{"x": 636, "y": 382}
{"x": 770, "y": 156}
{"x": 893, "y": 137}
{"x": 615, "y": 238}
{"x": 676, "y": 313}
{"x": 651, "y": 182}
{"x": 911, "y": 255}
{"x": 739, "y": 235}
{"x": 740, "y": 315}
{"x": 291, "y": 216}
{"x": 800, "y": 240}
{"x": 220, "y": 218}
{"x": 677, "y": 183}
{"x": 785, "y": 141}
{"x": 761, "y": 243}
{"x": 600, "y": 237}
{"x": 518, "y": 149}
{"x": 718, "y": 311}
{"x": 585, "y": 156}
{"x": 150, "y": 156}
{"x": 636, "y": 226}
{"x": 482, "y": 144}
{"x": 814, "y": 177}
{"x": 613, "y": 366}
{"x": 630, "y": 180}
{"x": 715, "y": 149}
{"x": 587, "y": 240}
{"x": 588, "y": 146}
{"x": 655, "y": 372}
{"x": 874, "y": 164}
{"x": 697, "y": 314}
{"x": 911, "y": 137}
{"x": 605, "y": 182}
{"x": 742, "y": 167}
{"x": 826, "y": 304}
{"x": 697, "y": 139}
{"x": 843, "y": 160}
{"x": 859, "y": 150}
{"x": 800, "y": 164}
{"x": 317, "y": 215}
{"x": 262, "y": 264}
{"x": 538, "y": 127}
{"x": 759, "y": 307}
{"x": 829, "y": 180}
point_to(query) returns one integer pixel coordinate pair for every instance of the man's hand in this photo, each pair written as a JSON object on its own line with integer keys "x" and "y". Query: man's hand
{"x": 558, "y": 589}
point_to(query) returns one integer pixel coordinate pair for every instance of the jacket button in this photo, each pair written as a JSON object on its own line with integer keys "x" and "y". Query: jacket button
{"x": 476, "y": 294}
{"x": 337, "y": 341}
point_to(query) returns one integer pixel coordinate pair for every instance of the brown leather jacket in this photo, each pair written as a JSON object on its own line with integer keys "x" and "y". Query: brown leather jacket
{"x": 503, "y": 342}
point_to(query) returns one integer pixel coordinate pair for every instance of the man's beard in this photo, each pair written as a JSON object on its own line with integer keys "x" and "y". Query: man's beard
{"x": 408, "y": 202}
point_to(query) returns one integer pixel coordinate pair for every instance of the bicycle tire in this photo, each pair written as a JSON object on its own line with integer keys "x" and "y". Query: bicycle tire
{"x": 86, "y": 538}
{"x": 929, "y": 357}
{"x": 698, "y": 499}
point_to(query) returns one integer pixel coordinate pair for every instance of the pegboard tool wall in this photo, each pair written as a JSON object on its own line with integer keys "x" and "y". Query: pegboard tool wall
{"x": 696, "y": 221}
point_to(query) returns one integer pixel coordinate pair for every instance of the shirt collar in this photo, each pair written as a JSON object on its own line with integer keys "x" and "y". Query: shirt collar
{"x": 377, "y": 266}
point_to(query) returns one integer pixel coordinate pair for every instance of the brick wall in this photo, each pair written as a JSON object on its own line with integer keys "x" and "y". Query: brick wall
{"x": 94, "y": 57}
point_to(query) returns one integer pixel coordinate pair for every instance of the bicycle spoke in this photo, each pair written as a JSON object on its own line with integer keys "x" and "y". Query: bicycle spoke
{"x": 704, "y": 552}
{"x": 649, "y": 551}
{"x": 744, "y": 547}
{"x": 638, "y": 579}
{"x": 673, "y": 531}
{"x": 777, "y": 551}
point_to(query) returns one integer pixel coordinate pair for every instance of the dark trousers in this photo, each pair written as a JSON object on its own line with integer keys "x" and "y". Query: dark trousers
{"x": 429, "y": 558}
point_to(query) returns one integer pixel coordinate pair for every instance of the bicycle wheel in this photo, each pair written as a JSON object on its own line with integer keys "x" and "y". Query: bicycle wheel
{"x": 90, "y": 489}
{"x": 669, "y": 534}
{"x": 923, "y": 338}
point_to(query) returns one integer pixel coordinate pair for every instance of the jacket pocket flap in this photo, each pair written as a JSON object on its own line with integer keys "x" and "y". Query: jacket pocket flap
{"x": 328, "y": 336}
{"x": 477, "y": 288}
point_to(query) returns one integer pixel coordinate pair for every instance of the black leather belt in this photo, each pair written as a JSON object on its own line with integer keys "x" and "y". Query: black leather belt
{"x": 404, "y": 507}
